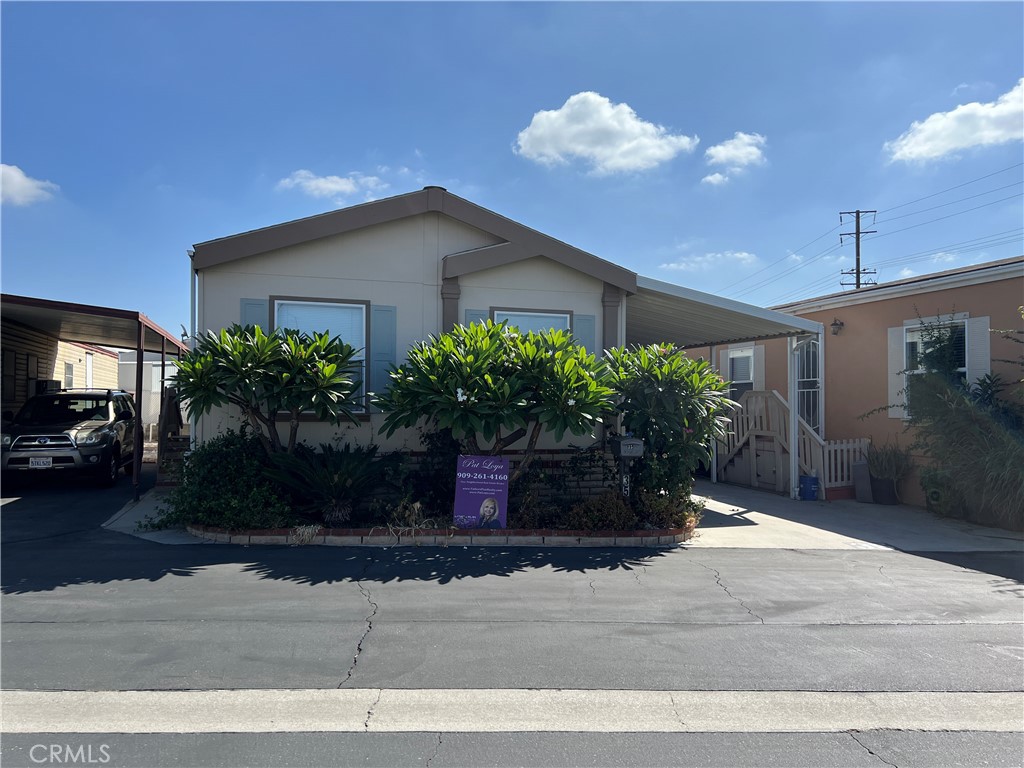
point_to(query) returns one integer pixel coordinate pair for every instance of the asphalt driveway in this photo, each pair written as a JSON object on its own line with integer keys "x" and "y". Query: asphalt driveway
{"x": 90, "y": 609}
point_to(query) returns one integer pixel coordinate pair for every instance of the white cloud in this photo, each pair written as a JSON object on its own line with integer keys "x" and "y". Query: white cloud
{"x": 16, "y": 188}
{"x": 334, "y": 187}
{"x": 944, "y": 258}
{"x": 838, "y": 259}
{"x": 739, "y": 152}
{"x": 609, "y": 136}
{"x": 714, "y": 179}
{"x": 968, "y": 125}
{"x": 907, "y": 272}
{"x": 796, "y": 258}
{"x": 709, "y": 261}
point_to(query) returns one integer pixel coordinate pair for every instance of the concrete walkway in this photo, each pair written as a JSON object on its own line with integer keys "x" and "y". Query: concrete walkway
{"x": 744, "y": 518}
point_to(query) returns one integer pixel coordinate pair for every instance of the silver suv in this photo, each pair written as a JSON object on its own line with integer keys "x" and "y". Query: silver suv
{"x": 92, "y": 430}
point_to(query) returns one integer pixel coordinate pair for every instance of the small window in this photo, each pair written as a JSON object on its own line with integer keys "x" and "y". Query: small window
{"x": 923, "y": 340}
{"x": 69, "y": 375}
{"x": 741, "y": 372}
{"x": 526, "y": 320}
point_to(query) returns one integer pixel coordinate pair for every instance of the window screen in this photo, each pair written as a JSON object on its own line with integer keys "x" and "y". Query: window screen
{"x": 919, "y": 343}
{"x": 534, "y": 321}
{"x": 345, "y": 320}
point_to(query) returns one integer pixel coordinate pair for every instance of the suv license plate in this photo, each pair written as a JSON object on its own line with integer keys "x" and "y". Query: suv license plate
{"x": 40, "y": 462}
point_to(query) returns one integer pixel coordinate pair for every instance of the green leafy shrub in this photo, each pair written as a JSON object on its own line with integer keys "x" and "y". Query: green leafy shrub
{"x": 676, "y": 405}
{"x": 889, "y": 461}
{"x": 327, "y": 484}
{"x": 223, "y": 485}
{"x": 432, "y": 482}
{"x": 607, "y": 512}
{"x": 493, "y": 387}
{"x": 971, "y": 432}
{"x": 266, "y": 374}
{"x": 677, "y": 509}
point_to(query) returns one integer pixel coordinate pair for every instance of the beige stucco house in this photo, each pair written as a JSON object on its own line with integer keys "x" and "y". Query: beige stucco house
{"x": 389, "y": 273}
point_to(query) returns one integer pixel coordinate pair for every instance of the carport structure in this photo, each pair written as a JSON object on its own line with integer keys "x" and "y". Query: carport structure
{"x": 664, "y": 312}
{"x": 102, "y": 326}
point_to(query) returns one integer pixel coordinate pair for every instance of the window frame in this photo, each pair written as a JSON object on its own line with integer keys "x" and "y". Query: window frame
{"x": 363, "y": 352}
{"x": 566, "y": 313}
{"x": 747, "y": 352}
{"x": 916, "y": 327}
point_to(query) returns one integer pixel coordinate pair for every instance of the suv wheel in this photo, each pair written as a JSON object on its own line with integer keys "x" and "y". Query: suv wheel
{"x": 111, "y": 467}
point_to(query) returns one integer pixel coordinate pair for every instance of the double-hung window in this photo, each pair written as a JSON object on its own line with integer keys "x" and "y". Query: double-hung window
{"x": 923, "y": 340}
{"x": 345, "y": 319}
{"x": 529, "y": 320}
{"x": 741, "y": 372}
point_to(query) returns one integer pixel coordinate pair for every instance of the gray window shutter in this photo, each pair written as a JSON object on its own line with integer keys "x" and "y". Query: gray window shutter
{"x": 476, "y": 315}
{"x": 896, "y": 395}
{"x": 383, "y": 345}
{"x": 979, "y": 348}
{"x": 758, "y": 372}
{"x": 584, "y": 328}
{"x": 255, "y": 312}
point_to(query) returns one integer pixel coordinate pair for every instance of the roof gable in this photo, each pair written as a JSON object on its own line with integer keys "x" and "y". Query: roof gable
{"x": 520, "y": 242}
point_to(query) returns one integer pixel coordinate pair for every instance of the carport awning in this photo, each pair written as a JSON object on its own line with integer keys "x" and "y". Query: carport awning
{"x": 88, "y": 324}
{"x": 663, "y": 312}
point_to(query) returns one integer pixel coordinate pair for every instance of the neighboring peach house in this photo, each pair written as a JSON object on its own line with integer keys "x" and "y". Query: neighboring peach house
{"x": 870, "y": 340}
{"x": 389, "y": 273}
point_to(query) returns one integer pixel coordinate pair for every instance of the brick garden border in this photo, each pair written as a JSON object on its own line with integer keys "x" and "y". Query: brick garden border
{"x": 443, "y": 537}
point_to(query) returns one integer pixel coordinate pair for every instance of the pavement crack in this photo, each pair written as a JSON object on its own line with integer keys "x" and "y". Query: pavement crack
{"x": 883, "y": 573}
{"x": 592, "y": 588}
{"x": 853, "y": 735}
{"x": 369, "y": 712}
{"x": 718, "y": 580}
{"x": 437, "y": 748}
{"x": 369, "y": 627}
{"x": 675, "y": 710}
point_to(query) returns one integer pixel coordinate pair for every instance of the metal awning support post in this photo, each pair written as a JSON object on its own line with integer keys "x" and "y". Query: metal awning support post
{"x": 163, "y": 379}
{"x": 137, "y": 453}
{"x": 794, "y": 428}
{"x": 714, "y": 440}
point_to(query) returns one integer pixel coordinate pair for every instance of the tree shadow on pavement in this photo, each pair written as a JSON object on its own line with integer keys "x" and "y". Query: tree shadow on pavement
{"x": 101, "y": 557}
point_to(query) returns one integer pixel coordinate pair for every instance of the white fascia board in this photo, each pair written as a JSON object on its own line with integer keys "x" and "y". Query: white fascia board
{"x": 718, "y": 302}
{"x": 905, "y": 288}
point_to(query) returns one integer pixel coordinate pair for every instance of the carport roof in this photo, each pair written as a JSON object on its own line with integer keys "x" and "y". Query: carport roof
{"x": 664, "y": 312}
{"x": 88, "y": 324}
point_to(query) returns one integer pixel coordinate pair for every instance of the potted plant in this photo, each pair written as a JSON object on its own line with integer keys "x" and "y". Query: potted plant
{"x": 889, "y": 464}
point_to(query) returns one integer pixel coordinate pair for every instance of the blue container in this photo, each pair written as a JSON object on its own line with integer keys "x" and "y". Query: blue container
{"x": 808, "y": 488}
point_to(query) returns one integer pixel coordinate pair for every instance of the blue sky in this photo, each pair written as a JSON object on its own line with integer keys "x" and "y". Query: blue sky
{"x": 711, "y": 145}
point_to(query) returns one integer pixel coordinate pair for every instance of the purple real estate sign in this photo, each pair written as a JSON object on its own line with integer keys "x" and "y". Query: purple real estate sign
{"x": 481, "y": 492}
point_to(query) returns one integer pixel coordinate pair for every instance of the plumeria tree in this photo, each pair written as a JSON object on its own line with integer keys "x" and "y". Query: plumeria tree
{"x": 495, "y": 387}
{"x": 676, "y": 404}
{"x": 264, "y": 375}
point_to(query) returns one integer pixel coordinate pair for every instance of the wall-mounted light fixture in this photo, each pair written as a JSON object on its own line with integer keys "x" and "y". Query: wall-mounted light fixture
{"x": 837, "y": 326}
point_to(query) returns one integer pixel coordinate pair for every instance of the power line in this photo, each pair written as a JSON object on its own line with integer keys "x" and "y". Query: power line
{"x": 974, "y": 244}
{"x": 952, "y": 202}
{"x": 944, "y": 191}
{"x": 942, "y": 218}
{"x": 734, "y": 283}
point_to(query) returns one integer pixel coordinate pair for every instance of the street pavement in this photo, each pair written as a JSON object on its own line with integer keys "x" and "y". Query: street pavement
{"x": 787, "y": 634}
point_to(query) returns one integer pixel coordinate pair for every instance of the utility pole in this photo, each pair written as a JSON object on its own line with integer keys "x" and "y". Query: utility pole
{"x": 857, "y": 272}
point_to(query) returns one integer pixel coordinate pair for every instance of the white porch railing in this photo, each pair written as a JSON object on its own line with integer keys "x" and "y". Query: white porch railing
{"x": 764, "y": 415}
{"x": 839, "y": 458}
